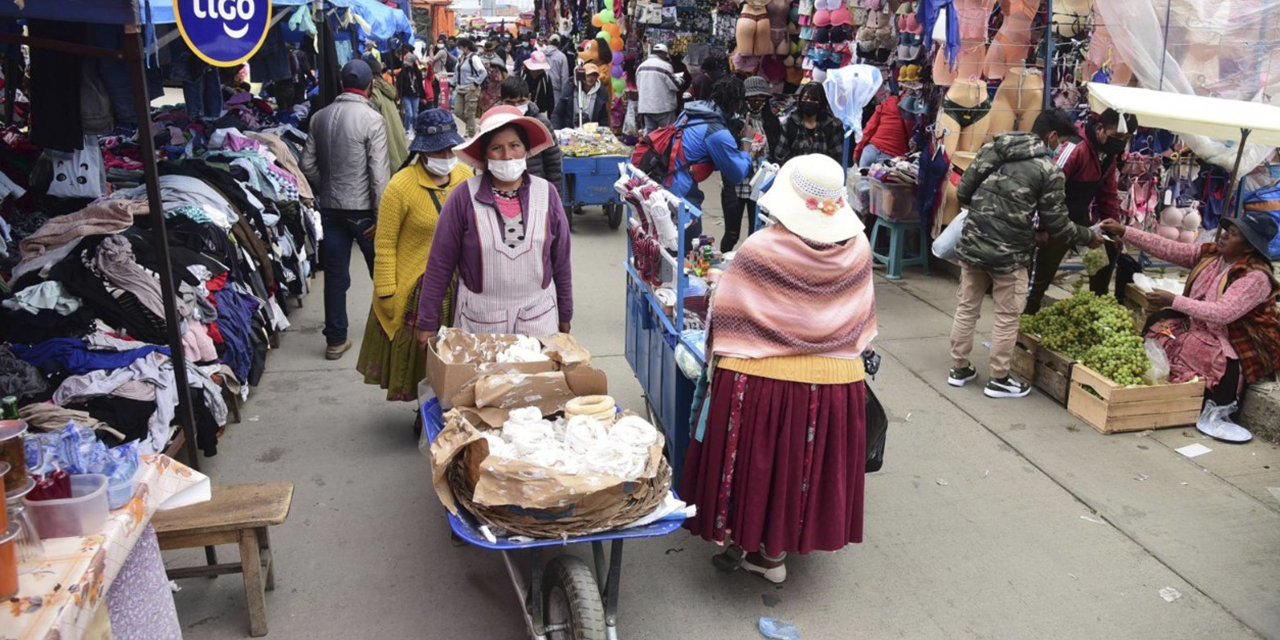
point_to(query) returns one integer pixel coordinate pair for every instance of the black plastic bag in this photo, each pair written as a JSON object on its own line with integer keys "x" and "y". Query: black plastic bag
{"x": 877, "y": 431}
{"x": 1126, "y": 268}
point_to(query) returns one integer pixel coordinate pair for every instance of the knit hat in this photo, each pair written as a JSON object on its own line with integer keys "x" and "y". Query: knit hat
{"x": 540, "y": 139}
{"x": 356, "y": 75}
{"x": 757, "y": 86}
{"x": 808, "y": 198}
{"x": 435, "y": 130}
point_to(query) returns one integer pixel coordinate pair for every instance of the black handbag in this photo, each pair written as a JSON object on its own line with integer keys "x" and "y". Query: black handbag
{"x": 877, "y": 430}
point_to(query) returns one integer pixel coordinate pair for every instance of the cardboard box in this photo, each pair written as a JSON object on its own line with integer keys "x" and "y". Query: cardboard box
{"x": 449, "y": 379}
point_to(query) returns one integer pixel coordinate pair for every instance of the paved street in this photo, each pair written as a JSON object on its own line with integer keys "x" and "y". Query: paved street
{"x": 991, "y": 519}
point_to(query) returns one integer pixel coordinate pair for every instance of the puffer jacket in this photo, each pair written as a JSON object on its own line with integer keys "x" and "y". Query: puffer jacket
{"x": 546, "y": 165}
{"x": 1011, "y": 180}
{"x": 705, "y": 138}
{"x": 346, "y": 156}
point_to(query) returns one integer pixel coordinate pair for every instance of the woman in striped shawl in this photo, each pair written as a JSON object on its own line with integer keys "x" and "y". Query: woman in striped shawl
{"x": 779, "y": 467}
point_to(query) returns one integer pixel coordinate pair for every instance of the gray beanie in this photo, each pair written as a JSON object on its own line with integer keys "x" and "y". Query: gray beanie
{"x": 756, "y": 86}
{"x": 356, "y": 75}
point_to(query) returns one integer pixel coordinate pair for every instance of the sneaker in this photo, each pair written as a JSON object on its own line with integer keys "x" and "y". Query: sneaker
{"x": 1007, "y": 387}
{"x": 960, "y": 377}
{"x": 335, "y": 351}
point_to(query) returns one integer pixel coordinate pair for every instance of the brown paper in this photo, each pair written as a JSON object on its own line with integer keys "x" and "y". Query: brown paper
{"x": 502, "y": 482}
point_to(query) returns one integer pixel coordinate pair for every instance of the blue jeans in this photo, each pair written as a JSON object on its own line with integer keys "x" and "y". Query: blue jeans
{"x": 410, "y": 111}
{"x": 872, "y": 155}
{"x": 341, "y": 228}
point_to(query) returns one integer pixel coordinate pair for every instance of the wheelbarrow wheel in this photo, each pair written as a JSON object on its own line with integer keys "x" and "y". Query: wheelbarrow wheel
{"x": 572, "y": 609}
{"x": 614, "y": 211}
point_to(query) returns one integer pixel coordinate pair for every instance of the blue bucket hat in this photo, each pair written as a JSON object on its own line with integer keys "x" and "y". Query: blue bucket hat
{"x": 434, "y": 131}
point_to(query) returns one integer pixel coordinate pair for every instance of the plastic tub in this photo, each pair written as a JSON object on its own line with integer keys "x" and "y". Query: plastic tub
{"x": 120, "y": 495}
{"x": 83, "y": 513}
{"x": 894, "y": 201}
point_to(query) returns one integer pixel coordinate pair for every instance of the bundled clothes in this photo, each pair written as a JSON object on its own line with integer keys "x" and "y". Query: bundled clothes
{"x": 789, "y": 322}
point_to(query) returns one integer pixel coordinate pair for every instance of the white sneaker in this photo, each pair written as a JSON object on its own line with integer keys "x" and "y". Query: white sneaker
{"x": 1007, "y": 387}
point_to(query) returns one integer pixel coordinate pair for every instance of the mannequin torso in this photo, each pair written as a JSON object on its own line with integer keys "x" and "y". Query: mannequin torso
{"x": 1012, "y": 44}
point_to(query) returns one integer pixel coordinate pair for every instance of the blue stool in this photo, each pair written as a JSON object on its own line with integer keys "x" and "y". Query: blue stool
{"x": 897, "y": 257}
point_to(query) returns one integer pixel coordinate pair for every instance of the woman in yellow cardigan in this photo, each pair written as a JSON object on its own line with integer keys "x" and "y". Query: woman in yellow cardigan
{"x": 389, "y": 354}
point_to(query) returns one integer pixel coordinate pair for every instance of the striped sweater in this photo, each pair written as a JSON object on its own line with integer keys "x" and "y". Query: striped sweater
{"x": 787, "y": 296}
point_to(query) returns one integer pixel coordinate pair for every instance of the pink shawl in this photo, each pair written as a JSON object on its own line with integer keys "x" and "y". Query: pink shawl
{"x": 787, "y": 296}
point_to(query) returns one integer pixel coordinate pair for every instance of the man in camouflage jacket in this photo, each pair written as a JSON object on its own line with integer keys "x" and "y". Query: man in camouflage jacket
{"x": 1012, "y": 182}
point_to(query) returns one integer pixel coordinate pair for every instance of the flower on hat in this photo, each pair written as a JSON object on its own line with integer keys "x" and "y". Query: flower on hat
{"x": 828, "y": 206}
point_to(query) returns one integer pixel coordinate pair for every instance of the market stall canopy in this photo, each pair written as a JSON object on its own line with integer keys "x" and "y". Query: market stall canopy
{"x": 1215, "y": 118}
{"x": 383, "y": 22}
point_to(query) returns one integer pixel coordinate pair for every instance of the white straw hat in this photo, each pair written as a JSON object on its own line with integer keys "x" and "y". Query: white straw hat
{"x": 808, "y": 197}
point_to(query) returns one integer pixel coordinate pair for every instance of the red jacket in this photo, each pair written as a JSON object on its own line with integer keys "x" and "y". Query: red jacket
{"x": 1092, "y": 190}
{"x": 886, "y": 130}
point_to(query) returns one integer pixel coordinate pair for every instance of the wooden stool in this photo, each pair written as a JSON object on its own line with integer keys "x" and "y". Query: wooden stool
{"x": 237, "y": 514}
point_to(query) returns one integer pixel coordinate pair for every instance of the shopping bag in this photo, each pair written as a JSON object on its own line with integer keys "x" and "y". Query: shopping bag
{"x": 944, "y": 247}
{"x": 877, "y": 431}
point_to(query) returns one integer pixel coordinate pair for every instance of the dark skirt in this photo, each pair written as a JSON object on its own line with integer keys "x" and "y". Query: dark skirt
{"x": 782, "y": 464}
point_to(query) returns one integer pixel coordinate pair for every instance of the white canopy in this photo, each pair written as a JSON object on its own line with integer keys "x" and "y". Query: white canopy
{"x": 1189, "y": 114}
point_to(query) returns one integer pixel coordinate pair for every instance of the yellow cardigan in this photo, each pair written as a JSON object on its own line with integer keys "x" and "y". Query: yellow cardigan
{"x": 406, "y": 226}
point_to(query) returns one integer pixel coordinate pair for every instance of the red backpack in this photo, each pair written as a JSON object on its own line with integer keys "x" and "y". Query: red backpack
{"x": 659, "y": 152}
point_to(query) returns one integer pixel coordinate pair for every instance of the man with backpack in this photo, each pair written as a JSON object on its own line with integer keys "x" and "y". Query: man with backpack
{"x": 472, "y": 72}
{"x": 659, "y": 92}
{"x": 680, "y": 156}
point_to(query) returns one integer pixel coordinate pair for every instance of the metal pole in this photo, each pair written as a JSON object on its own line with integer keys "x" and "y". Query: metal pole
{"x": 160, "y": 238}
{"x": 1164, "y": 55}
{"x": 1048, "y": 54}
{"x": 1235, "y": 172}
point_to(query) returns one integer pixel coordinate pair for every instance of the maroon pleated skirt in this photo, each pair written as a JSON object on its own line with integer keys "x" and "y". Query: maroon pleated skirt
{"x": 782, "y": 464}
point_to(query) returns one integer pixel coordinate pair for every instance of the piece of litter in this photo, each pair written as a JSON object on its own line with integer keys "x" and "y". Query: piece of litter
{"x": 1074, "y": 576}
{"x": 986, "y": 343}
{"x": 1093, "y": 520}
{"x": 1170, "y": 594}
{"x": 173, "y": 586}
{"x": 1185, "y": 484}
{"x": 908, "y": 416}
{"x": 1141, "y": 477}
{"x": 1275, "y": 492}
{"x": 1143, "y": 434}
{"x": 987, "y": 473}
{"x": 778, "y": 630}
{"x": 941, "y": 482}
{"x": 488, "y": 535}
{"x": 1193, "y": 450}
{"x": 254, "y": 418}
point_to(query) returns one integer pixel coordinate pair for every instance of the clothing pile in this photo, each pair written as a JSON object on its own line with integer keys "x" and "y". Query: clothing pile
{"x": 82, "y": 310}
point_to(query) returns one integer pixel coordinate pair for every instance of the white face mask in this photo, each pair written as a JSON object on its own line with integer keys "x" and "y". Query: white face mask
{"x": 442, "y": 166}
{"x": 507, "y": 170}
{"x": 524, "y": 108}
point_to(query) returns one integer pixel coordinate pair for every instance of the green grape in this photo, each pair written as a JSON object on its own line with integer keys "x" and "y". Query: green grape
{"x": 1094, "y": 260}
{"x": 1094, "y": 330}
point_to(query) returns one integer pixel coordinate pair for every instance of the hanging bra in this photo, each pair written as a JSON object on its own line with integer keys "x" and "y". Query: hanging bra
{"x": 973, "y": 23}
{"x": 966, "y": 116}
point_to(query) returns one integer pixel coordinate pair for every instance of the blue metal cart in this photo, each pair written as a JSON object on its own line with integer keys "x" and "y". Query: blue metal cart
{"x": 588, "y": 181}
{"x": 652, "y": 338}
{"x": 561, "y": 599}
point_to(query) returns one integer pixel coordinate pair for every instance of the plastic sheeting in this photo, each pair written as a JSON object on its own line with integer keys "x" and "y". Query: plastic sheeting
{"x": 1221, "y": 48}
{"x": 849, "y": 90}
{"x": 1191, "y": 115}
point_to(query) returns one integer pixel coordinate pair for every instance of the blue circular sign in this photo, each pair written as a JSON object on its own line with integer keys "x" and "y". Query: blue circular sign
{"x": 223, "y": 33}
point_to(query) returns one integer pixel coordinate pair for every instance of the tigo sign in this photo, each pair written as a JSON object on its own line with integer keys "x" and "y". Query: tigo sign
{"x": 223, "y": 33}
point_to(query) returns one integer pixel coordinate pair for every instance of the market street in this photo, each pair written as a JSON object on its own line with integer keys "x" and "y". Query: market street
{"x": 990, "y": 519}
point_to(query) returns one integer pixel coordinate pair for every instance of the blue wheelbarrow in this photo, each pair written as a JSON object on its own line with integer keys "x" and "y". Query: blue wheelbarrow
{"x": 561, "y": 598}
{"x": 588, "y": 181}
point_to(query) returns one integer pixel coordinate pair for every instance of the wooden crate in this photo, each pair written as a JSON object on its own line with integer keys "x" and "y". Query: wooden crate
{"x": 1136, "y": 301}
{"x": 1049, "y": 371}
{"x": 1123, "y": 409}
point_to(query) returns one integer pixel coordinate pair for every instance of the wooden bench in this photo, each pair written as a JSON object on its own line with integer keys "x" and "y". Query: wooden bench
{"x": 237, "y": 514}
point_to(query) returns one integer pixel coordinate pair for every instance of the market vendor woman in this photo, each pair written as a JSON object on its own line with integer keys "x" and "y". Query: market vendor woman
{"x": 505, "y": 233}
{"x": 1225, "y": 327}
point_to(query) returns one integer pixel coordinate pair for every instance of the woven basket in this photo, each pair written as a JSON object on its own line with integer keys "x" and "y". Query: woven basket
{"x": 533, "y": 523}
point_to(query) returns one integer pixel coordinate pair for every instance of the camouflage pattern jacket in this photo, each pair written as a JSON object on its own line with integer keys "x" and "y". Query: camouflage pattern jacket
{"x": 1013, "y": 179}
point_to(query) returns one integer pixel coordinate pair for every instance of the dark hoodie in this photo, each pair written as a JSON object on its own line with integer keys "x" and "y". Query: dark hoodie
{"x": 545, "y": 165}
{"x": 1011, "y": 180}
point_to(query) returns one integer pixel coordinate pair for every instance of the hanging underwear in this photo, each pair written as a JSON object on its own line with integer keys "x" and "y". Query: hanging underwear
{"x": 966, "y": 116}
{"x": 753, "y": 16}
{"x": 973, "y": 24}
